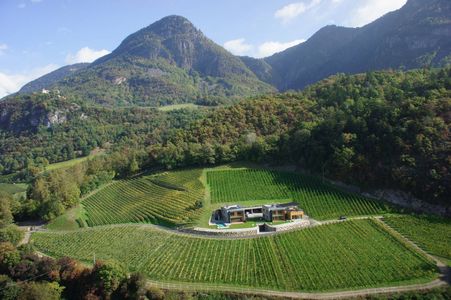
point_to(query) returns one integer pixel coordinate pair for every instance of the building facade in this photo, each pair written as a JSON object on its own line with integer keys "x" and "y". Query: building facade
{"x": 269, "y": 213}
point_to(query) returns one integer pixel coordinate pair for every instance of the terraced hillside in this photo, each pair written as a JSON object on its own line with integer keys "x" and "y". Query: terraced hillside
{"x": 319, "y": 200}
{"x": 170, "y": 199}
{"x": 347, "y": 255}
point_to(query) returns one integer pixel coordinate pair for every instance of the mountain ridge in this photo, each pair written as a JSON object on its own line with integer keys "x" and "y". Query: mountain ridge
{"x": 172, "y": 61}
{"x": 167, "y": 62}
{"x": 417, "y": 35}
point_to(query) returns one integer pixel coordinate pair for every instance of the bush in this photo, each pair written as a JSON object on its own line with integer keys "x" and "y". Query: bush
{"x": 12, "y": 234}
{"x": 8, "y": 289}
{"x": 109, "y": 275}
{"x": 134, "y": 287}
{"x": 40, "y": 291}
{"x": 9, "y": 256}
{"x": 155, "y": 293}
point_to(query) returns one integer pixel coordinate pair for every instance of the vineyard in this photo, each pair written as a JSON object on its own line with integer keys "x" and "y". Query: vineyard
{"x": 348, "y": 255}
{"x": 430, "y": 233}
{"x": 169, "y": 198}
{"x": 319, "y": 200}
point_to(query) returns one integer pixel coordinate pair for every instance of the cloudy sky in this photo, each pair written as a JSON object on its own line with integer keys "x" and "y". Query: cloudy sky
{"x": 38, "y": 36}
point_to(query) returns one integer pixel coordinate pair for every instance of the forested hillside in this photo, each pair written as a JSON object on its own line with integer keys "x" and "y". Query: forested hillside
{"x": 381, "y": 129}
{"x": 388, "y": 129}
{"x": 51, "y": 78}
{"x": 40, "y": 129}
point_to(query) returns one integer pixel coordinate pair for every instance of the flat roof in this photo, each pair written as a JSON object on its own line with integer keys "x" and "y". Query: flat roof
{"x": 270, "y": 206}
{"x": 240, "y": 208}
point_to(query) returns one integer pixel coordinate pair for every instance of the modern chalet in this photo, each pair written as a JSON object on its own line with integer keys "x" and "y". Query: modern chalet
{"x": 269, "y": 213}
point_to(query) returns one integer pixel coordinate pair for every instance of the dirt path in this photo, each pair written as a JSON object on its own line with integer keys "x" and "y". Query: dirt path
{"x": 28, "y": 231}
{"x": 299, "y": 295}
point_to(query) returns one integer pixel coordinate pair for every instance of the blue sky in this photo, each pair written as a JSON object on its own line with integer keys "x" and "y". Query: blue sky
{"x": 38, "y": 36}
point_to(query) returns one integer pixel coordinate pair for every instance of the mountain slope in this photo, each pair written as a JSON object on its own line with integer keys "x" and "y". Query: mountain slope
{"x": 417, "y": 35}
{"x": 167, "y": 62}
{"x": 51, "y": 78}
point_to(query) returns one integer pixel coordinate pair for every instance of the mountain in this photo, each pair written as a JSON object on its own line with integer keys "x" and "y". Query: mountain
{"x": 415, "y": 36}
{"x": 51, "y": 78}
{"x": 171, "y": 61}
{"x": 167, "y": 62}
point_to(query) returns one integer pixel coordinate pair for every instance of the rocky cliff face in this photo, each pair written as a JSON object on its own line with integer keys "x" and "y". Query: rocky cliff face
{"x": 30, "y": 114}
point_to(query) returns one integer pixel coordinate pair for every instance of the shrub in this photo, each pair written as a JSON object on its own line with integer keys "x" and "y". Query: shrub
{"x": 155, "y": 293}
{"x": 12, "y": 234}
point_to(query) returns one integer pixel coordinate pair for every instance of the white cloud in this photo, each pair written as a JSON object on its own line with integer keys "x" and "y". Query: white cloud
{"x": 241, "y": 47}
{"x": 85, "y": 54}
{"x": 11, "y": 83}
{"x": 21, "y": 5}
{"x": 269, "y": 48}
{"x": 3, "y": 48}
{"x": 370, "y": 10}
{"x": 238, "y": 46}
{"x": 291, "y": 11}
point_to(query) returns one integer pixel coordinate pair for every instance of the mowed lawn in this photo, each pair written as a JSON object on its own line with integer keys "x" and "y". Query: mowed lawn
{"x": 319, "y": 200}
{"x": 348, "y": 255}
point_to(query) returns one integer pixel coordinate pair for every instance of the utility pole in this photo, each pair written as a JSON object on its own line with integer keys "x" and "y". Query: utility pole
{"x": 94, "y": 259}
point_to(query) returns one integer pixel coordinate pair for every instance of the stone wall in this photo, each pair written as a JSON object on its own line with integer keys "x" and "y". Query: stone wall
{"x": 223, "y": 232}
{"x": 289, "y": 226}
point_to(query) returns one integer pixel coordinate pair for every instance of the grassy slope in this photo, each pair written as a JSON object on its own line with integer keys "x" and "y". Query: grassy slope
{"x": 353, "y": 254}
{"x": 178, "y": 106}
{"x": 13, "y": 188}
{"x": 68, "y": 221}
{"x": 66, "y": 164}
{"x": 75, "y": 161}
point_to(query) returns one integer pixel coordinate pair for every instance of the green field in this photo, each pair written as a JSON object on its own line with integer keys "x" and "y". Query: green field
{"x": 12, "y": 189}
{"x": 73, "y": 162}
{"x": 348, "y": 255}
{"x": 430, "y": 233}
{"x": 66, "y": 164}
{"x": 178, "y": 106}
{"x": 169, "y": 199}
{"x": 319, "y": 200}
